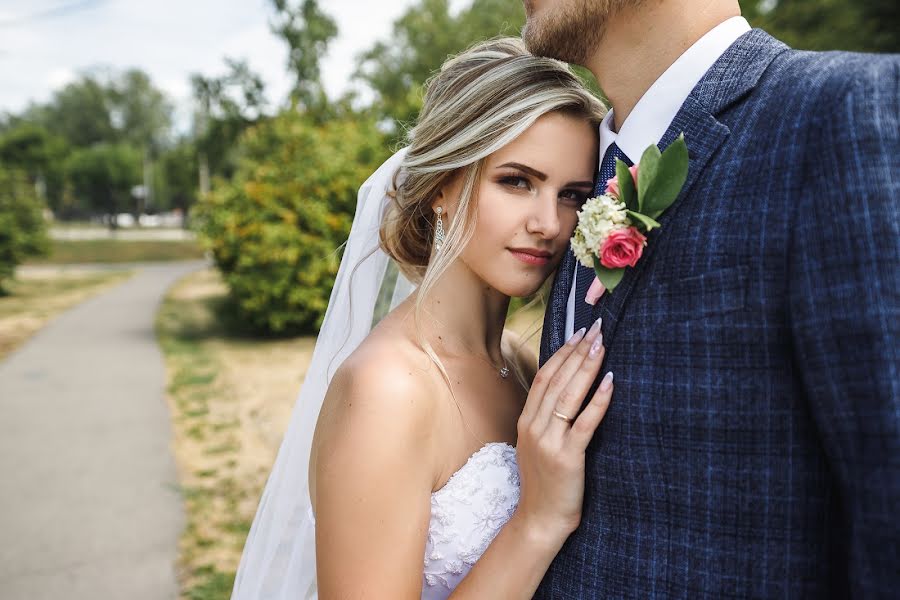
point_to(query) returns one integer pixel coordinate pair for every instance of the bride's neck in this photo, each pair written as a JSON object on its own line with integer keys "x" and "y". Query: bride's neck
{"x": 462, "y": 314}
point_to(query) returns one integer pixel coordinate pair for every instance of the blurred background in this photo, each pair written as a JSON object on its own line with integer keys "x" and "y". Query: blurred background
{"x": 190, "y": 168}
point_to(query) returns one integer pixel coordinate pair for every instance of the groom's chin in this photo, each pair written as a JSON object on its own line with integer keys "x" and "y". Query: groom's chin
{"x": 567, "y": 31}
{"x": 548, "y": 40}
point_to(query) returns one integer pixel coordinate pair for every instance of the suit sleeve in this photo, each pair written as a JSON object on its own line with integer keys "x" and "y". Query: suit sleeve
{"x": 844, "y": 306}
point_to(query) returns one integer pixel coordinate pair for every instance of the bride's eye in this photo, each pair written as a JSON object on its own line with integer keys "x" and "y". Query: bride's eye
{"x": 574, "y": 197}
{"x": 515, "y": 181}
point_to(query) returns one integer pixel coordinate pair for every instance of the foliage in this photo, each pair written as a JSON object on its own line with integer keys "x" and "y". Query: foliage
{"x": 103, "y": 175}
{"x": 107, "y": 107}
{"x": 860, "y": 25}
{"x": 307, "y": 32}
{"x": 177, "y": 176}
{"x": 275, "y": 228}
{"x": 226, "y": 106}
{"x": 421, "y": 41}
{"x": 76, "y": 129}
{"x": 40, "y": 154}
{"x": 22, "y": 227}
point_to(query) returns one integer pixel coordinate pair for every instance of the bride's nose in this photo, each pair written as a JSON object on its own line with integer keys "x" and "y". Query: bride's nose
{"x": 544, "y": 216}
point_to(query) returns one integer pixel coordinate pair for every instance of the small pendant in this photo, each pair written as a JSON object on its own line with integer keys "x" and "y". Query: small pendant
{"x": 504, "y": 372}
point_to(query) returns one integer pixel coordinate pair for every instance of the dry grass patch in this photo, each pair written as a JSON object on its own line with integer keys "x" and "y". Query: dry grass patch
{"x": 35, "y": 298}
{"x": 231, "y": 399}
{"x": 119, "y": 251}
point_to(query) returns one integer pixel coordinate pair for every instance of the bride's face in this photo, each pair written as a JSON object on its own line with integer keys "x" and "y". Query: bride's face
{"x": 527, "y": 198}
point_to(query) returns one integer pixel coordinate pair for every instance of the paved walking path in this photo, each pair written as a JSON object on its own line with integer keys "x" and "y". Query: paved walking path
{"x": 89, "y": 506}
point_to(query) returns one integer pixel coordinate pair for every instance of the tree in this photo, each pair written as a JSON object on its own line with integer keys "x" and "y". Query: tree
{"x": 860, "y": 25}
{"x": 226, "y": 106}
{"x": 101, "y": 110}
{"x": 22, "y": 228}
{"x": 307, "y": 32}
{"x": 80, "y": 113}
{"x": 141, "y": 113}
{"x": 104, "y": 174}
{"x": 104, "y": 106}
{"x": 421, "y": 40}
{"x": 177, "y": 175}
{"x": 38, "y": 153}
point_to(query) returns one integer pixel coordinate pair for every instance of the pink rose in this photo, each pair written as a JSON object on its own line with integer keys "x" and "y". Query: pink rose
{"x": 612, "y": 185}
{"x": 622, "y": 248}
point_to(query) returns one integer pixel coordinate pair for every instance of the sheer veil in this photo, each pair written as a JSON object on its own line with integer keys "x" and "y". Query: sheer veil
{"x": 279, "y": 560}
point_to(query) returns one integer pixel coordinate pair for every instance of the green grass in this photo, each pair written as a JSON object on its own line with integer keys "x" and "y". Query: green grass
{"x": 119, "y": 251}
{"x": 213, "y": 584}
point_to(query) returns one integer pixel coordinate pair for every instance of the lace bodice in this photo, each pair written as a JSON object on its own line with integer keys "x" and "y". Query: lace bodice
{"x": 466, "y": 515}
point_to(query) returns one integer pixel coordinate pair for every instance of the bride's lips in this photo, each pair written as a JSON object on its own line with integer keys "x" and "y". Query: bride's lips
{"x": 531, "y": 256}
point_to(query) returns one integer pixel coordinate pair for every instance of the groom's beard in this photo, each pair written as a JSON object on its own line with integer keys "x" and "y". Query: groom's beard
{"x": 569, "y": 30}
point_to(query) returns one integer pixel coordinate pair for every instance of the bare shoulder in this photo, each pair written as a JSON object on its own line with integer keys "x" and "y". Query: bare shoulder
{"x": 379, "y": 403}
{"x": 372, "y": 470}
{"x": 516, "y": 346}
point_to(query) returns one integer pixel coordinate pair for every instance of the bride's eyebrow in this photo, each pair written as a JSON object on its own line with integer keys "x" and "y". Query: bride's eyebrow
{"x": 529, "y": 170}
{"x": 542, "y": 176}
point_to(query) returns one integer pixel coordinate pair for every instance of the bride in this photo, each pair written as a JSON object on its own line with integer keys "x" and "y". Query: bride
{"x": 427, "y": 456}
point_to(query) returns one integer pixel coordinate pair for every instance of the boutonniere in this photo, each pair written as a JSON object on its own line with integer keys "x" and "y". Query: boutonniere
{"x": 610, "y": 235}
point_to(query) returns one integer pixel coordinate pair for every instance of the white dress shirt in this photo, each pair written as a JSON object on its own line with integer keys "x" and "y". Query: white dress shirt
{"x": 657, "y": 108}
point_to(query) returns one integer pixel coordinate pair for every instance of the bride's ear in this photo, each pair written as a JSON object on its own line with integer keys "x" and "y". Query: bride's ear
{"x": 439, "y": 201}
{"x": 448, "y": 196}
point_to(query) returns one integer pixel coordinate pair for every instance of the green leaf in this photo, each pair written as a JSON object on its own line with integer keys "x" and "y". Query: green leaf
{"x": 643, "y": 221}
{"x": 670, "y": 175}
{"x": 627, "y": 193}
{"x": 610, "y": 278}
{"x": 646, "y": 174}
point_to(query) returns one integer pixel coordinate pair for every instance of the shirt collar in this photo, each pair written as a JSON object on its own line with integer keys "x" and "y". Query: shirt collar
{"x": 657, "y": 108}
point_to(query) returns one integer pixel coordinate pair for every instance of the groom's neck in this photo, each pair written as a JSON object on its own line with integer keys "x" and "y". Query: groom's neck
{"x": 641, "y": 42}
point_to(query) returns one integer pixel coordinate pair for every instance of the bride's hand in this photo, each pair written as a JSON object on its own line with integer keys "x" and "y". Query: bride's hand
{"x": 549, "y": 449}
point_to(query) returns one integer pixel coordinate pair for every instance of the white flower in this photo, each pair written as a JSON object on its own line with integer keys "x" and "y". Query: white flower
{"x": 596, "y": 220}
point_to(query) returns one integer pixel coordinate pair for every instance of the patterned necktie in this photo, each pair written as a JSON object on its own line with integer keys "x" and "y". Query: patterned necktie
{"x": 584, "y": 276}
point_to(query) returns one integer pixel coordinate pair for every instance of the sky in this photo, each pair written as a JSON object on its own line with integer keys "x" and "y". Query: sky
{"x": 44, "y": 44}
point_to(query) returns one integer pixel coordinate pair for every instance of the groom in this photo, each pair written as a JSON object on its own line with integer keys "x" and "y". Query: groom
{"x": 752, "y": 448}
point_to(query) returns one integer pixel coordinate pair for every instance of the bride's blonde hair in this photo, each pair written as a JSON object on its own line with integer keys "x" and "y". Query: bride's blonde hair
{"x": 480, "y": 101}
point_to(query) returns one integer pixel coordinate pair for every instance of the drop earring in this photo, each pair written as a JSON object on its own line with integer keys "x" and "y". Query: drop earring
{"x": 439, "y": 229}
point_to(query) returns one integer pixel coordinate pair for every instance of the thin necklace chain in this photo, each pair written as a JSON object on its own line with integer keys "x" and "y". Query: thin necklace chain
{"x": 503, "y": 371}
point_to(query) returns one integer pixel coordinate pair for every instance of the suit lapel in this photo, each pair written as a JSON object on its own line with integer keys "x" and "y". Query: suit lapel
{"x": 703, "y": 134}
{"x": 733, "y": 76}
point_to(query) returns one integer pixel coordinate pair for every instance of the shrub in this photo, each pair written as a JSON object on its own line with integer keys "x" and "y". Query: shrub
{"x": 23, "y": 232}
{"x": 275, "y": 228}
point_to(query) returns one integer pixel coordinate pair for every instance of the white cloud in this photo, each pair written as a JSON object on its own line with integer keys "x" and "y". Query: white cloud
{"x": 58, "y": 78}
{"x": 170, "y": 40}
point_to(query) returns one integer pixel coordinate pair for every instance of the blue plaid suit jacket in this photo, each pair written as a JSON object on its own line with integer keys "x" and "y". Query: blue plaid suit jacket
{"x": 752, "y": 447}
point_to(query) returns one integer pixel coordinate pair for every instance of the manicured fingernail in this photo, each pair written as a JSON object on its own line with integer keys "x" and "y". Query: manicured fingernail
{"x": 576, "y": 337}
{"x": 596, "y": 346}
{"x": 594, "y": 330}
{"x": 594, "y": 292}
{"x": 606, "y": 384}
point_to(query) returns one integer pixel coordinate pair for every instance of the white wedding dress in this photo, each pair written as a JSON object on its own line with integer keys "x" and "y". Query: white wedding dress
{"x": 466, "y": 515}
